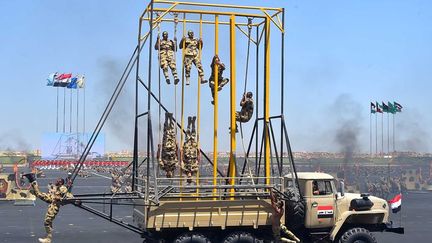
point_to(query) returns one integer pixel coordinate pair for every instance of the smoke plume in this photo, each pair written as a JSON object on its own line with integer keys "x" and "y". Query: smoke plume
{"x": 14, "y": 141}
{"x": 348, "y": 128}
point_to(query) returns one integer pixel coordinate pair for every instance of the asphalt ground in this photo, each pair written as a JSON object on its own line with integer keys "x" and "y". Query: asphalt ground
{"x": 25, "y": 223}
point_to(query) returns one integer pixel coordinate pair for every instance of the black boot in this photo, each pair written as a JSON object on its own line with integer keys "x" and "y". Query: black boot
{"x": 193, "y": 123}
{"x": 30, "y": 177}
{"x": 189, "y": 122}
{"x": 168, "y": 81}
{"x": 176, "y": 81}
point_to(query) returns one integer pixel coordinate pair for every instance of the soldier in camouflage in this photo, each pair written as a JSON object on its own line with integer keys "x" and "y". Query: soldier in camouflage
{"x": 57, "y": 197}
{"x": 190, "y": 150}
{"x": 167, "y": 49}
{"x": 221, "y": 80}
{"x": 191, "y": 55}
{"x": 167, "y": 152}
{"x": 247, "y": 108}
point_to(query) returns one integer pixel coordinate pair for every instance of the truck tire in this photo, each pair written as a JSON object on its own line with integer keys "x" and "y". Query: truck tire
{"x": 241, "y": 237}
{"x": 192, "y": 238}
{"x": 357, "y": 235}
{"x": 295, "y": 215}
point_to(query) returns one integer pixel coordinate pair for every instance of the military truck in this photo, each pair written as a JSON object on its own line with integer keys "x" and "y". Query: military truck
{"x": 12, "y": 190}
{"x": 337, "y": 216}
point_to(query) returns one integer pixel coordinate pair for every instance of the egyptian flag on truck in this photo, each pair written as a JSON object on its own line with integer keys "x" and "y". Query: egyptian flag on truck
{"x": 396, "y": 203}
{"x": 325, "y": 211}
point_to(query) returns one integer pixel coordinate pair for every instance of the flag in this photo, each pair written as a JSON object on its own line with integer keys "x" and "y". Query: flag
{"x": 64, "y": 76}
{"x": 385, "y": 107}
{"x": 81, "y": 81}
{"x": 392, "y": 108}
{"x": 373, "y": 108}
{"x": 396, "y": 203}
{"x": 397, "y": 106}
{"x": 378, "y": 109}
{"x": 63, "y": 79}
{"x": 51, "y": 79}
{"x": 73, "y": 83}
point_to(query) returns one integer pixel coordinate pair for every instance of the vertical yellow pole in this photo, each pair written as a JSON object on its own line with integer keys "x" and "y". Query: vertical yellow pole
{"x": 267, "y": 101}
{"x": 198, "y": 109}
{"x": 232, "y": 161}
{"x": 182, "y": 107}
{"x": 215, "y": 115}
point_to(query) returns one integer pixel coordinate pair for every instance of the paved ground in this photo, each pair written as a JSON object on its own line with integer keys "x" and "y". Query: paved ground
{"x": 25, "y": 223}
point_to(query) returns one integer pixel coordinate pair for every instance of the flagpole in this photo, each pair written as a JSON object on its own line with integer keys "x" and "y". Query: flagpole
{"x": 77, "y": 121}
{"x": 84, "y": 112}
{"x": 370, "y": 134}
{"x": 394, "y": 150}
{"x": 64, "y": 110}
{"x": 70, "y": 112}
{"x": 57, "y": 116}
{"x": 388, "y": 133}
{"x": 376, "y": 134}
{"x": 382, "y": 133}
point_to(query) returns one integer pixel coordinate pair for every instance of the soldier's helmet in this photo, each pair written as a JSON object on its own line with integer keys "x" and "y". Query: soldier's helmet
{"x": 190, "y": 33}
{"x": 165, "y": 34}
{"x": 249, "y": 94}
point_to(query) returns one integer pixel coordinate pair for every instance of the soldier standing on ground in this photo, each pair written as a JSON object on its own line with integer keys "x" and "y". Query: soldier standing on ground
{"x": 55, "y": 198}
{"x": 167, "y": 49}
{"x": 221, "y": 80}
{"x": 190, "y": 150}
{"x": 191, "y": 55}
{"x": 167, "y": 152}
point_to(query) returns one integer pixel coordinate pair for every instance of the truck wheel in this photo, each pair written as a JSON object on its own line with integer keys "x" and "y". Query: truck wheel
{"x": 192, "y": 238}
{"x": 295, "y": 215}
{"x": 357, "y": 235}
{"x": 241, "y": 237}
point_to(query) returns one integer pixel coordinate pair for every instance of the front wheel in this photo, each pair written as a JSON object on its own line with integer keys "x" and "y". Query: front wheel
{"x": 357, "y": 235}
{"x": 241, "y": 237}
{"x": 192, "y": 238}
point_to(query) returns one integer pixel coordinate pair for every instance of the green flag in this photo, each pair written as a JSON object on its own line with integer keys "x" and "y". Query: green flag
{"x": 392, "y": 108}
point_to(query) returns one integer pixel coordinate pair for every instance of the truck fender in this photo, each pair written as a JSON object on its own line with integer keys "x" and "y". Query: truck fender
{"x": 344, "y": 217}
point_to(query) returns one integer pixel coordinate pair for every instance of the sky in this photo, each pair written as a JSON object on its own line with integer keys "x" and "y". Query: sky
{"x": 339, "y": 56}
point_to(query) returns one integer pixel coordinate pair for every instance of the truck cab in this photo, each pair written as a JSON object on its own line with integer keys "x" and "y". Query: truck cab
{"x": 339, "y": 216}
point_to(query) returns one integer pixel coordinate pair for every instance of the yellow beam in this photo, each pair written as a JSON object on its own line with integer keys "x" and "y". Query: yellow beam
{"x": 232, "y": 161}
{"x": 267, "y": 101}
{"x": 196, "y": 11}
{"x": 272, "y": 20}
{"x": 216, "y": 5}
{"x": 199, "y": 112}
{"x": 165, "y": 12}
{"x": 215, "y": 113}
{"x": 182, "y": 107}
{"x": 194, "y": 21}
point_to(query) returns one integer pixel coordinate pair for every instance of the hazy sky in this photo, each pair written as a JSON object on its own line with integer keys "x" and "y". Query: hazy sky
{"x": 340, "y": 55}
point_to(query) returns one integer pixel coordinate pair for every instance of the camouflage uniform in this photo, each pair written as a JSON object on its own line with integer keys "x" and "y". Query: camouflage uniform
{"x": 54, "y": 199}
{"x": 192, "y": 47}
{"x": 277, "y": 227}
{"x": 247, "y": 108}
{"x": 167, "y": 50}
{"x": 190, "y": 150}
{"x": 167, "y": 153}
{"x": 221, "y": 81}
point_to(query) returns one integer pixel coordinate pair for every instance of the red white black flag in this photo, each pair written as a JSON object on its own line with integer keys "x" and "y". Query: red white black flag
{"x": 396, "y": 203}
{"x": 325, "y": 211}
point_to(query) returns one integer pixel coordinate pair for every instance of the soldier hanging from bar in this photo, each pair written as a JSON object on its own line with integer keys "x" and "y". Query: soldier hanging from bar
{"x": 192, "y": 47}
{"x": 167, "y": 49}
{"x": 190, "y": 150}
{"x": 167, "y": 151}
{"x": 221, "y": 80}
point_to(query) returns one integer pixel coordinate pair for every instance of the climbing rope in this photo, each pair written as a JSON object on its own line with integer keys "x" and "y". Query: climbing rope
{"x": 244, "y": 92}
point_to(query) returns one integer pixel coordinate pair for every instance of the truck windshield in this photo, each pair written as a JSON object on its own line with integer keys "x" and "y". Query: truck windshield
{"x": 321, "y": 187}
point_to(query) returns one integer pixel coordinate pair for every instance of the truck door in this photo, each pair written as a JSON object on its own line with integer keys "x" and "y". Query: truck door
{"x": 320, "y": 204}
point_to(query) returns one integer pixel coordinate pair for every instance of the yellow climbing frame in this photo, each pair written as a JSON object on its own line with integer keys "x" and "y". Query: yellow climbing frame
{"x": 194, "y": 13}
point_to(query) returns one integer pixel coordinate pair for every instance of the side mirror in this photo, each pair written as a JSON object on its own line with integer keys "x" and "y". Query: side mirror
{"x": 342, "y": 188}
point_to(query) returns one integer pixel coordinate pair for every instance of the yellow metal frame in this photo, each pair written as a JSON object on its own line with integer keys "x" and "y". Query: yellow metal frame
{"x": 236, "y": 17}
